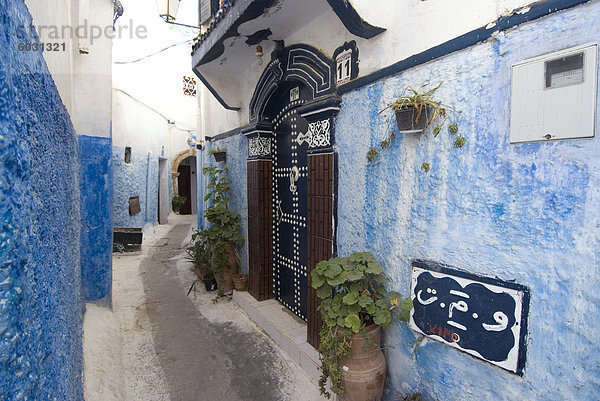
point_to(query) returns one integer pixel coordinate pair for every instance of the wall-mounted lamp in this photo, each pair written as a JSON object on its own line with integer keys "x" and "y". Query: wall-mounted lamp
{"x": 167, "y": 9}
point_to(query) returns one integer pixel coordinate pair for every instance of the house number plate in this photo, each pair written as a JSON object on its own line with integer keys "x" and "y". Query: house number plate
{"x": 483, "y": 317}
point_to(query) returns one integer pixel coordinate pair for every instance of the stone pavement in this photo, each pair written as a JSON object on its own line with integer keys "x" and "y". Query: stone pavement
{"x": 187, "y": 348}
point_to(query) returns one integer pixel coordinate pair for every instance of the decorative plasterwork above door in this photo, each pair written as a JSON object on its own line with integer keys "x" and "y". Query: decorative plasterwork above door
{"x": 224, "y": 52}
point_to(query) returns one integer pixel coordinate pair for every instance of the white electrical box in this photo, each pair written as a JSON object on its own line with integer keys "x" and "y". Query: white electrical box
{"x": 554, "y": 96}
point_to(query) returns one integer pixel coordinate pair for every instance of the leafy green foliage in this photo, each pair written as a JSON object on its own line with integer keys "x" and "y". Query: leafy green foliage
{"x": 427, "y": 106}
{"x": 353, "y": 296}
{"x": 420, "y": 100}
{"x": 460, "y": 142}
{"x": 453, "y": 128}
{"x": 372, "y": 154}
{"x": 217, "y": 150}
{"x": 178, "y": 201}
{"x": 224, "y": 224}
{"x": 199, "y": 251}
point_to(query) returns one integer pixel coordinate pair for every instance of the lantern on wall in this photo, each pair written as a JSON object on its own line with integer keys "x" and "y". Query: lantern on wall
{"x": 167, "y": 9}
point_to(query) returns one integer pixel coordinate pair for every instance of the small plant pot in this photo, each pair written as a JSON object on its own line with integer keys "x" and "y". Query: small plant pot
{"x": 210, "y": 283}
{"x": 220, "y": 156}
{"x": 407, "y": 120}
{"x": 239, "y": 281}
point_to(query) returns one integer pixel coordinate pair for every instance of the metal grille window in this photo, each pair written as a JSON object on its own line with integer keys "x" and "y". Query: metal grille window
{"x": 189, "y": 86}
{"x": 208, "y": 8}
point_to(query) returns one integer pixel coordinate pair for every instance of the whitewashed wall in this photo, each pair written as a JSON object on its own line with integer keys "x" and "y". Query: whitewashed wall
{"x": 83, "y": 80}
{"x": 152, "y": 112}
{"x": 411, "y": 27}
{"x": 152, "y": 115}
{"x": 60, "y": 64}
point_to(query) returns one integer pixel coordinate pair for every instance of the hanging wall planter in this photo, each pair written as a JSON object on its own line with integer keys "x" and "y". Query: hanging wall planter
{"x": 411, "y": 120}
{"x": 417, "y": 110}
{"x": 219, "y": 154}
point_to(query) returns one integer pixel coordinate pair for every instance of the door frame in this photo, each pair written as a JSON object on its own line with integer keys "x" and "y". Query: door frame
{"x": 305, "y": 64}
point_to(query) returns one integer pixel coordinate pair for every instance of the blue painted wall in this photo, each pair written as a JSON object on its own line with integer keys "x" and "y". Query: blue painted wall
{"x": 41, "y": 302}
{"x": 525, "y": 212}
{"x": 138, "y": 178}
{"x": 95, "y": 179}
{"x": 237, "y": 154}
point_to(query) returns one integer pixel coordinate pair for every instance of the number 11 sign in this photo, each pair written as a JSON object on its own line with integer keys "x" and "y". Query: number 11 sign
{"x": 343, "y": 67}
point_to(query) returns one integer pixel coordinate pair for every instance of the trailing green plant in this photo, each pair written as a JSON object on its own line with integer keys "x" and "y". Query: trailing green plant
{"x": 224, "y": 224}
{"x": 372, "y": 154}
{"x": 353, "y": 296}
{"x": 178, "y": 201}
{"x": 426, "y": 106}
{"x": 421, "y": 101}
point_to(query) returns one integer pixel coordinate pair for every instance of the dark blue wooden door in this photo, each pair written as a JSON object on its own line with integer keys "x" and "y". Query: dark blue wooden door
{"x": 290, "y": 203}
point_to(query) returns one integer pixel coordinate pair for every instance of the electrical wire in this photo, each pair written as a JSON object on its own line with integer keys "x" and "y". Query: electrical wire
{"x": 155, "y": 53}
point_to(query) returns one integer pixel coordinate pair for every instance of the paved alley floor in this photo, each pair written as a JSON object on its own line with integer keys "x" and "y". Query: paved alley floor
{"x": 176, "y": 347}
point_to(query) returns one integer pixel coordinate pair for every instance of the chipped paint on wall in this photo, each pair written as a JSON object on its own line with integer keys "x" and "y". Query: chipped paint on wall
{"x": 41, "y": 300}
{"x": 524, "y": 212}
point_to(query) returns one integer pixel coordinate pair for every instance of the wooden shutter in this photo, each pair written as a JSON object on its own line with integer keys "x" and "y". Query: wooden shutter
{"x": 320, "y": 230}
{"x": 260, "y": 224}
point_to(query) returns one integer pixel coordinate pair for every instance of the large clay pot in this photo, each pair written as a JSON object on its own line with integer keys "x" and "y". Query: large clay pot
{"x": 363, "y": 375}
{"x": 225, "y": 281}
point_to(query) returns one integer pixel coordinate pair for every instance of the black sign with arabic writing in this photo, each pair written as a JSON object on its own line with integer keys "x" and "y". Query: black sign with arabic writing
{"x": 480, "y": 316}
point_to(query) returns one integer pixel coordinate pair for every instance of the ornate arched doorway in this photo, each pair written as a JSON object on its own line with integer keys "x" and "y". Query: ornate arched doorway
{"x": 183, "y": 179}
{"x": 291, "y": 179}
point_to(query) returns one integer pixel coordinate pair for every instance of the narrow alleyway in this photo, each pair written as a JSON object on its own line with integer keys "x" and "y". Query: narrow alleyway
{"x": 183, "y": 348}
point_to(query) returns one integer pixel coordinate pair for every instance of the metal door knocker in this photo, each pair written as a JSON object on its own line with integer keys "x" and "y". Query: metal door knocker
{"x": 294, "y": 175}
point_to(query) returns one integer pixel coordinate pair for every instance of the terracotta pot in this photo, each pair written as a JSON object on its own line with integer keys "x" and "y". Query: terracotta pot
{"x": 239, "y": 281}
{"x": 225, "y": 280}
{"x": 363, "y": 375}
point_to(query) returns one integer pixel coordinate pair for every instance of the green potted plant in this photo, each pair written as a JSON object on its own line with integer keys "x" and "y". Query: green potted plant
{"x": 354, "y": 306}
{"x": 224, "y": 230}
{"x": 199, "y": 254}
{"x": 416, "y": 110}
{"x": 220, "y": 154}
{"x": 178, "y": 201}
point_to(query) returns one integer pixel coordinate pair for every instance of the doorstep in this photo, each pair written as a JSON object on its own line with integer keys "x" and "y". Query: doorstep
{"x": 285, "y": 328}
